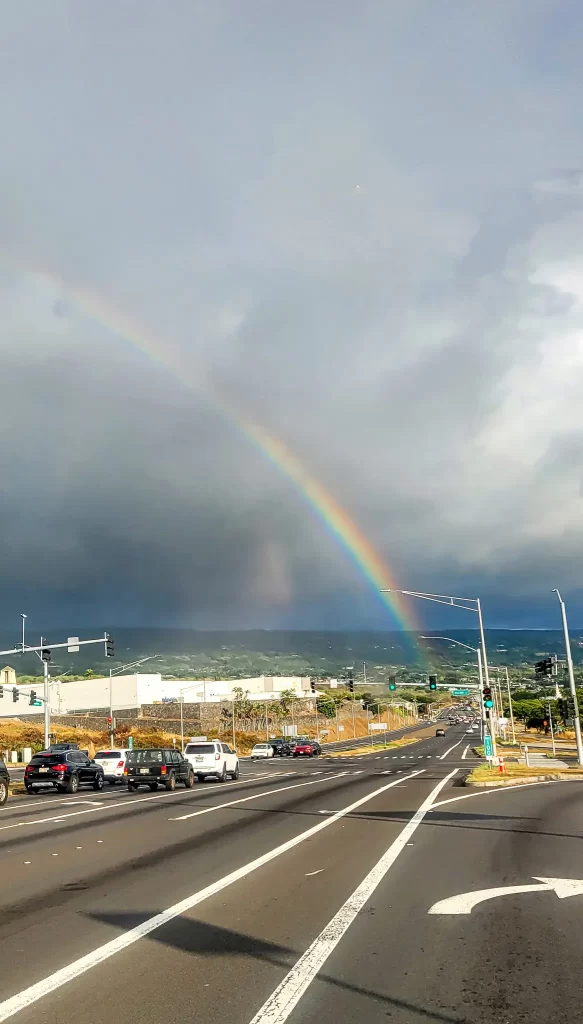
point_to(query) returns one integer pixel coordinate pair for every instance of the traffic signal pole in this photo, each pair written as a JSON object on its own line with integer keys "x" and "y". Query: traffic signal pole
{"x": 43, "y": 651}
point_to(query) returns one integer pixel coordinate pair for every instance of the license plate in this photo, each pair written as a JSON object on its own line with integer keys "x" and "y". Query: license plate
{"x": 43, "y": 769}
{"x": 199, "y": 759}
{"x": 144, "y": 771}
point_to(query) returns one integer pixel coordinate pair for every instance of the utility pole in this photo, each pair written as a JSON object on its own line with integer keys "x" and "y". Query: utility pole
{"x": 576, "y": 723}
{"x": 551, "y": 730}
{"x": 510, "y": 706}
{"x": 47, "y": 697}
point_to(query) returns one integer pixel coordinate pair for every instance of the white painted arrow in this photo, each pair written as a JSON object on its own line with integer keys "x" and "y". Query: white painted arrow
{"x": 466, "y": 901}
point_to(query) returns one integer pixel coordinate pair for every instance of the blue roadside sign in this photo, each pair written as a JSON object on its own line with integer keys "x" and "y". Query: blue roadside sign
{"x": 488, "y": 746}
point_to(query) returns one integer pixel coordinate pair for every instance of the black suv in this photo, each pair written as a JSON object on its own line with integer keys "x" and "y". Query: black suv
{"x": 157, "y": 766}
{"x": 281, "y": 748}
{"x": 65, "y": 770}
{"x": 4, "y": 783}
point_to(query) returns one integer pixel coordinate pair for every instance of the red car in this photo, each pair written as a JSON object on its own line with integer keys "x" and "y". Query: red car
{"x": 307, "y": 748}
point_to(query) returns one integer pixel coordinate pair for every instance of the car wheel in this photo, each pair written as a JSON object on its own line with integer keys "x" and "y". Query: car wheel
{"x": 189, "y": 783}
{"x": 236, "y": 773}
{"x": 3, "y": 792}
{"x": 200, "y": 778}
{"x": 153, "y": 786}
{"x": 98, "y": 783}
{"x": 29, "y": 789}
{"x": 170, "y": 784}
{"x": 223, "y": 776}
{"x": 132, "y": 787}
{"x": 73, "y": 784}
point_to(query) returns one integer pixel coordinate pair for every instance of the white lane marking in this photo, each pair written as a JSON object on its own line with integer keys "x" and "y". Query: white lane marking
{"x": 33, "y": 993}
{"x": 254, "y": 796}
{"x": 450, "y": 750}
{"x": 128, "y": 802}
{"x": 464, "y": 755}
{"x": 280, "y": 1004}
{"x": 358, "y": 772}
{"x": 488, "y": 792}
{"x": 429, "y": 755}
{"x": 310, "y": 873}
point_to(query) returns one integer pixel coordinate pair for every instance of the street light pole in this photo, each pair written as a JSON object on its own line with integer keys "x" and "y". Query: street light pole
{"x": 510, "y": 706}
{"x": 577, "y": 723}
{"x": 467, "y": 604}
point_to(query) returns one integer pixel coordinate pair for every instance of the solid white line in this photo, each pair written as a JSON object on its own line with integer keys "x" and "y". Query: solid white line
{"x": 465, "y": 752}
{"x": 450, "y": 749}
{"x": 255, "y": 796}
{"x": 128, "y": 802}
{"x": 33, "y": 993}
{"x": 288, "y": 993}
{"x": 501, "y": 789}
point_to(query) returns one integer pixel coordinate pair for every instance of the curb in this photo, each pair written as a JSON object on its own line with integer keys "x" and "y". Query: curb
{"x": 523, "y": 780}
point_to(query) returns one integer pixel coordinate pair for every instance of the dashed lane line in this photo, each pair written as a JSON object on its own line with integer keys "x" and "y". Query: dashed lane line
{"x": 255, "y": 796}
{"x": 48, "y": 985}
{"x": 280, "y": 1004}
{"x": 106, "y": 806}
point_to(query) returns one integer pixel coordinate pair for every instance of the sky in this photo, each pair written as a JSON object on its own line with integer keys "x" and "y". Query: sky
{"x": 359, "y": 226}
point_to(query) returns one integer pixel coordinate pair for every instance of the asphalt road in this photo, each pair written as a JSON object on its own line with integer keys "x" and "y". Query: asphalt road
{"x": 300, "y": 892}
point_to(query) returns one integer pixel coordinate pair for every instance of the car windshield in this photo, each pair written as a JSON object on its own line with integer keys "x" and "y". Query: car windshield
{"x": 47, "y": 759}
{"x": 200, "y": 748}
{"x": 108, "y": 754}
{"x": 140, "y": 756}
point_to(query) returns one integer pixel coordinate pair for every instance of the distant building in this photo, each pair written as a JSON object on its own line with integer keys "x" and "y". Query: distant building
{"x": 132, "y": 691}
{"x": 7, "y": 676}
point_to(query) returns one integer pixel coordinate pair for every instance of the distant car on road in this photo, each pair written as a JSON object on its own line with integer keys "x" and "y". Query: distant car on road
{"x": 157, "y": 766}
{"x": 307, "y": 748}
{"x": 440, "y": 732}
{"x": 64, "y": 770}
{"x": 262, "y": 750}
{"x": 113, "y": 763}
{"x": 212, "y": 758}
{"x": 281, "y": 747}
{"x": 4, "y": 783}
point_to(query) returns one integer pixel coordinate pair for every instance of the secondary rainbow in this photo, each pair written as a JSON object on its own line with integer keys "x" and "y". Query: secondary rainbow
{"x": 336, "y": 520}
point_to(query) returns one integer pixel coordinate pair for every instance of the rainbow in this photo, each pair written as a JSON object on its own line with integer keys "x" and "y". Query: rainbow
{"x": 336, "y": 520}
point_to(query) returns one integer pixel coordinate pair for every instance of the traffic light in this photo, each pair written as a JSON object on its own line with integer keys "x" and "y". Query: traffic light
{"x": 1, "y": 691}
{"x": 433, "y": 682}
{"x": 487, "y": 695}
{"x": 544, "y": 668}
{"x": 351, "y": 680}
{"x": 45, "y": 654}
{"x": 15, "y": 694}
{"x": 392, "y": 682}
{"x": 109, "y": 652}
{"x": 32, "y": 698}
{"x": 313, "y": 685}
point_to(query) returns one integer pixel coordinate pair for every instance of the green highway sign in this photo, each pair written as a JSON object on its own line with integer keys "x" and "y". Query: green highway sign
{"x": 37, "y": 703}
{"x": 460, "y": 693}
{"x": 487, "y": 746}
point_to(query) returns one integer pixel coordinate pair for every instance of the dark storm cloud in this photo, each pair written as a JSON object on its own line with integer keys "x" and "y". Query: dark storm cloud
{"x": 360, "y": 228}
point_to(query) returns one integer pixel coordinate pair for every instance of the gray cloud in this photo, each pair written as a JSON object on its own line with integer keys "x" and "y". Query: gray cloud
{"x": 358, "y": 227}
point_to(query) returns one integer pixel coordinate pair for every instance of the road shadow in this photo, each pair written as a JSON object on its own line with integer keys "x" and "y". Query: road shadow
{"x": 201, "y": 939}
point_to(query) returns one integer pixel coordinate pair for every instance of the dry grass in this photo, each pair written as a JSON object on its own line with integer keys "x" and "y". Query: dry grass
{"x": 515, "y": 771}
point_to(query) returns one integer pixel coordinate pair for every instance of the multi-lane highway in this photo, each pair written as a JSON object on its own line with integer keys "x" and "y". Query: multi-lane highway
{"x": 301, "y": 892}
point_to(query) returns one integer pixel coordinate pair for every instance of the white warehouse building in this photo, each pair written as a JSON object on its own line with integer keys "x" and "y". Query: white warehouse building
{"x": 132, "y": 691}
